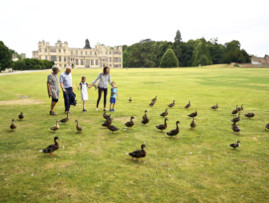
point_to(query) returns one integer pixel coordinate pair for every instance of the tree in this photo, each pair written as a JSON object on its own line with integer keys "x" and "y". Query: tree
{"x": 5, "y": 56}
{"x": 201, "y": 49}
{"x": 178, "y": 37}
{"x": 169, "y": 59}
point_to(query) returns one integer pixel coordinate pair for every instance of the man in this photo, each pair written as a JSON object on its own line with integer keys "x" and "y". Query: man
{"x": 53, "y": 88}
{"x": 67, "y": 87}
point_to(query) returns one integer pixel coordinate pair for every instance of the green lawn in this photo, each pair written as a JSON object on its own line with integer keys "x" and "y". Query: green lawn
{"x": 198, "y": 166}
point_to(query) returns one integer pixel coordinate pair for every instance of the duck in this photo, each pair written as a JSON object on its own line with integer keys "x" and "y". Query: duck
{"x": 106, "y": 115}
{"x": 51, "y": 148}
{"x": 165, "y": 113}
{"x": 193, "y": 124}
{"x": 235, "y": 111}
{"x": 215, "y": 107}
{"x": 64, "y": 120}
{"x": 79, "y": 128}
{"x": 107, "y": 122}
{"x": 138, "y": 153}
{"x": 162, "y": 126}
{"x": 154, "y": 99}
{"x": 194, "y": 114}
{"x": 13, "y": 126}
{"x": 112, "y": 128}
{"x": 241, "y": 108}
{"x": 172, "y": 104}
{"x": 235, "y": 145}
{"x": 250, "y": 115}
{"x": 236, "y": 119}
{"x": 130, "y": 123}
{"x": 152, "y": 103}
{"x": 267, "y": 126}
{"x": 188, "y": 105}
{"x": 236, "y": 128}
{"x": 175, "y": 131}
{"x": 55, "y": 127}
{"x": 145, "y": 118}
{"x": 130, "y": 99}
{"x": 21, "y": 116}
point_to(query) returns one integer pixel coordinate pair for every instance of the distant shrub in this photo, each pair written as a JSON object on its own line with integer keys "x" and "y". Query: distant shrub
{"x": 32, "y": 64}
{"x": 236, "y": 65}
{"x": 169, "y": 59}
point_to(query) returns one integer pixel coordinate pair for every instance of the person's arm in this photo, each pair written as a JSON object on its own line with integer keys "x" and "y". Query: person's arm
{"x": 62, "y": 86}
{"x": 78, "y": 86}
{"x": 48, "y": 85}
{"x": 93, "y": 82}
{"x": 109, "y": 80}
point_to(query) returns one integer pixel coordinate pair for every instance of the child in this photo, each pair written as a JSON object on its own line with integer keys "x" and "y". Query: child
{"x": 114, "y": 95}
{"x": 84, "y": 92}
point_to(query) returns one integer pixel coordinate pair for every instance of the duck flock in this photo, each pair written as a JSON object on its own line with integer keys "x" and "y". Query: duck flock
{"x": 145, "y": 120}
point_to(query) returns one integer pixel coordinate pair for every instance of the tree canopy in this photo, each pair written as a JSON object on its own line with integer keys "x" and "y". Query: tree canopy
{"x": 169, "y": 59}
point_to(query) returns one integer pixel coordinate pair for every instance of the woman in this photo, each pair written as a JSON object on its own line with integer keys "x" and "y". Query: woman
{"x": 102, "y": 86}
{"x": 53, "y": 88}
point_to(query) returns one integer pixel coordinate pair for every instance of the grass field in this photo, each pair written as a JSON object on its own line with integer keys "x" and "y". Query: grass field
{"x": 198, "y": 166}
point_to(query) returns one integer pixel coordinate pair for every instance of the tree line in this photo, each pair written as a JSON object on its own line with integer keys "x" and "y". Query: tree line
{"x": 149, "y": 53}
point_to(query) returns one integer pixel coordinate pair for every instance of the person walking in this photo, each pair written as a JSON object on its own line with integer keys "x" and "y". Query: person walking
{"x": 53, "y": 88}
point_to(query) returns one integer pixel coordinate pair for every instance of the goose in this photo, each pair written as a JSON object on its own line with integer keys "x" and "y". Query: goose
{"x": 130, "y": 99}
{"x": 106, "y": 115}
{"x": 194, "y": 114}
{"x": 21, "y": 116}
{"x": 250, "y": 115}
{"x": 235, "y": 111}
{"x": 193, "y": 124}
{"x": 267, "y": 126}
{"x": 145, "y": 118}
{"x": 235, "y": 145}
{"x": 175, "y": 131}
{"x": 188, "y": 105}
{"x": 236, "y": 128}
{"x": 164, "y": 113}
{"x": 79, "y": 128}
{"x": 51, "y": 148}
{"x": 107, "y": 122}
{"x": 236, "y": 119}
{"x": 162, "y": 126}
{"x": 13, "y": 126}
{"x": 130, "y": 123}
{"x": 55, "y": 127}
{"x": 138, "y": 153}
{"x": 215, "y": 107}
{"x": 64, "y": 120}
{"x": 112, "y": 128}
{"x": 172, "y": 104}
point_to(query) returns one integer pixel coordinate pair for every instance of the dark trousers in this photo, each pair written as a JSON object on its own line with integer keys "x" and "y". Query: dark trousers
{"x": 100, "y": 90}
{"x": 68, "y": 98}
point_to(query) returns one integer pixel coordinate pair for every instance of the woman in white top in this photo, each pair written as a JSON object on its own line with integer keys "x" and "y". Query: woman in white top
{"x": 102, "y": 86}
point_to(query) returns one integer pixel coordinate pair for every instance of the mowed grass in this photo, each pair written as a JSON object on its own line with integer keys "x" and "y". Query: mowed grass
{"x": 198, "y": 166}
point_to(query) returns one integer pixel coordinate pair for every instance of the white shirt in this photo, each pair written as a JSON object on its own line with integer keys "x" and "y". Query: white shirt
{"x": 66, "y": 80}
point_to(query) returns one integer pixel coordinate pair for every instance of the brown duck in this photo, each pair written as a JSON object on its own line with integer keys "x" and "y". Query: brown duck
{"x": 164, "y": 113}
{"x": 13, "y": 126}
{"x": 188, "y": 105}
{"x": 55, "y": 127}
{"x": 145, "y": 118}
{"x": 235, "y": 145}
{"x": 65, "y": 119}
{"x": 78, "y": 127}
{"x": 107, "y": 122}
{"x": 106, "y": 115}
{"x": 235, "y": 111}
{"x": 175, "y": 131}
{"x": 21, "y": 116}
{"x": 194, "y": 114}
{"x": 130, "y": 123}
{"x": 138, "y": 153}
{"x": 236, "y": 119}
{"x": 51, "y": 148}
{"x": 250, "y": 115}
{"x": 241, "y": 108}
{"x": 162, "y": 126}
{"x": 193, "y": 124}
{"x": 112, "y": 128}
{"x": 215, "y": 107}
{"x": 267, "y": 126}
{"x": 236, "y": 128}
{"x": 172, "y": 104}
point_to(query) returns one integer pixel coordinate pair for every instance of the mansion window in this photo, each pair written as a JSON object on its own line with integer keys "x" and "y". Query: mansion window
{"x": 81, "y": 62}
{"x": 96, "y": 62}
{"x": 81, "y": 53}
{"x": 76, "y": 61}
{"x": 92, "y": 62}
{"x": 59, "y": 50}
{"x": 71, "y": 52}
{"x": 64, "y": 59}
{"x": 52, "y": 50}
{"x": 53, "y": 58}
{"x": 76, "y": 52}
{"x": 60, "y": 58}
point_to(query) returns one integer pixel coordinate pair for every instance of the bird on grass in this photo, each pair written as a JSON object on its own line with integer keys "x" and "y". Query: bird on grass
{"x": 267, "y": 126}
{"x": 154, "y": 99}
{"x": 215, "y": 107}
{"x": 172, "y": 104}
{"x": 236, "y": 119}
{"x": 130, "y": 123}
{"x": 236, "y": 128}
{"x": 64, "y": 120}
{"x": 106, "y": 115}
{"x": 250, "y": 115}
{"x": 107, "y": 122}
{"x": 235, "y": 111}
{"x": 164, "y": 113}
{"x": 112, "y": 128}
{"x": 13, "y": 126}
{"x": 51, "y": 148}
{"x": 235, "y": 145}
{"x": 152, "y": 103}
{"x": 240, "y": 108}
{"x": 21, "y": 116}
{"x": 145, "y": 118}
{"x": 138, "y": 153}
{"x": 188, "y": 105}
{"x": 130, "y": 99}
{"x": 175, "y": 131}
{"x": 193, "y": 124}
{"x": 162, "y": 126}
{"x": 55, "y": 127}
{"x": 79, "y": 128}
{"x": 194, "y": 114}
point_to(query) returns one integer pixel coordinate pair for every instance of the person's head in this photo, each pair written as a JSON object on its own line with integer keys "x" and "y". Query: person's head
{"x": 113, "y": 84}
{"x": 106, "y": 70}
{"x": 55, "y": 69}
{"x": 83, "y": 79}
{"x": 68, "y": 70}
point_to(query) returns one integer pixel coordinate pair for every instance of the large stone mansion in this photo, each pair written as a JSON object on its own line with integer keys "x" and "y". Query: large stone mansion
{"x": 86, "y": 57}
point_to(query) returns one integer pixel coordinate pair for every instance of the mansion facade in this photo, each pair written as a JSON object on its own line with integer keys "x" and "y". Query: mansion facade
{"x": 62, "y": 55}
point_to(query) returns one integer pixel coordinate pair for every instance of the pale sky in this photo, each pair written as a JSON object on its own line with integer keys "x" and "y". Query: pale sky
{"x": 116, "y": 22}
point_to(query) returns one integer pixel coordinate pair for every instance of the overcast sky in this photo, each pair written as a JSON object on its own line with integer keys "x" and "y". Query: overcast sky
{"x": 116, "y": 22}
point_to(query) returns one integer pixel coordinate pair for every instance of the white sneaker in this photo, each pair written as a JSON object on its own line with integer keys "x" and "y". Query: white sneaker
{"x": 96, "y": 109}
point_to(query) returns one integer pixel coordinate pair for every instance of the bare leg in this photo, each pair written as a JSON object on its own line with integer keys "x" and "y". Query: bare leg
{"x": 52, "y": 106}
{"x": 84, "y": 102}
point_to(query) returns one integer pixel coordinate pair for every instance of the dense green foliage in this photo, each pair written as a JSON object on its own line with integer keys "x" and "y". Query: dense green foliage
{"x": 147, "y": 53}
{"x": 5, "y": 56}
{"x": 169, "y": 59}
{"x": 32, "y": 64}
